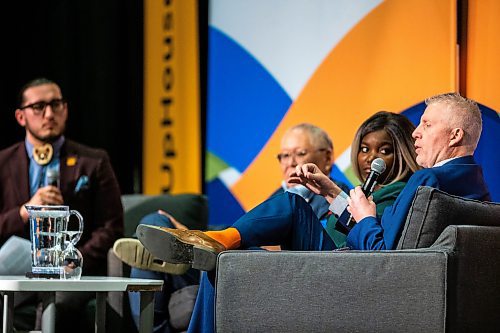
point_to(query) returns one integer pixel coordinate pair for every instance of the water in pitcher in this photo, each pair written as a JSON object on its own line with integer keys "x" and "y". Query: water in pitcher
{"x": 47, "y": 239}
{"x": 53, "y": 248}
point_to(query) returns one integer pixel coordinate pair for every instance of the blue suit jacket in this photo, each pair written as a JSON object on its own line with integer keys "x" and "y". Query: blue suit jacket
{"x": 461, "y": 177}
{"x": 318, "y": 202}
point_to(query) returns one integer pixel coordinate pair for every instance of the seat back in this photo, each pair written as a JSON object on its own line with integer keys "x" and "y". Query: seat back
{"x": 189, "y": 209}
{"x": 433, "y": 210}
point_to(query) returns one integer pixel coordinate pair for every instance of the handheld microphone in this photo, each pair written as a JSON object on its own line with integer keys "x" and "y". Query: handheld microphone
{"x": 53, "y": 177}
{"x": 376, "y": 169}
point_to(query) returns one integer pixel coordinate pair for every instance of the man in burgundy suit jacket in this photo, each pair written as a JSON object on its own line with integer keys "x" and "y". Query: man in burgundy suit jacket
{"x": 87, "y": 182}
{"x": 98, "y": 200}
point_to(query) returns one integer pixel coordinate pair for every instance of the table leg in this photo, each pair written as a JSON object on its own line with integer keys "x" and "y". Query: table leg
{"x": 49, "y": 312}
{"x": 100, "y": 312}
{"x": 8, "y": 312}
{"x": 147, "y": 308}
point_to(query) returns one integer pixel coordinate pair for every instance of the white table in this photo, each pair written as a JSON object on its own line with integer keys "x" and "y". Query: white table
{"x": 100, "y": 284}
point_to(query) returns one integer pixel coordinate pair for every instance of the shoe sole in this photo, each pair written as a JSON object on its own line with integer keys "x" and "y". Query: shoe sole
{"x": 171, "y": 249}
{"x": 134, "y": 254}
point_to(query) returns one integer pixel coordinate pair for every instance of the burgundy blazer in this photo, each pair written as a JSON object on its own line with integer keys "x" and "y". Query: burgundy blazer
{"x": 98, "y": 199}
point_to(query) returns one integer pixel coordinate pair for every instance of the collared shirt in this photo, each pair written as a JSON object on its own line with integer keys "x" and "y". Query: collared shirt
{"x": 443, "y": 162}
{"x": 37, "y": 173}
{"x": 339, "y": 204}
{"x": 299, "y": 189}
{"x": 317, "y": 202}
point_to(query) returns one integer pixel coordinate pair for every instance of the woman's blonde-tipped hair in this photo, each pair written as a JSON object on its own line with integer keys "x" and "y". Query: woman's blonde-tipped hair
{"x": 400, "y": 129}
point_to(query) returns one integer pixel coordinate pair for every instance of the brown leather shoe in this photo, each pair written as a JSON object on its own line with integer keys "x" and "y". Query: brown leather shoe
{"x": 181, "y": 246}
{"x": 133, "y": 253}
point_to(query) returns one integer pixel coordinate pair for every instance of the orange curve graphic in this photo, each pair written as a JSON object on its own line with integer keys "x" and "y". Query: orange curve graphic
{"x": 399, "y": 54}
{"x": 483, "y": 61}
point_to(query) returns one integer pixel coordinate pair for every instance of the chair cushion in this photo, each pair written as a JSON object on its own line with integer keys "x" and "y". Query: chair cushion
{"x": 189, "y": 209}
{"x": 433, "y": 210}
{"x": 328, "y": 291}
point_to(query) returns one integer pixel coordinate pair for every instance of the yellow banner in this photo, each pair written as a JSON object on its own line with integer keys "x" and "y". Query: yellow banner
{"x": 171, "y": 152}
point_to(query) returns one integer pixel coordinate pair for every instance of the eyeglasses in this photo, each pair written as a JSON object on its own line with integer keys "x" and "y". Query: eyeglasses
{"x": 39, "y": 107}
{"x": 298, "y": 155}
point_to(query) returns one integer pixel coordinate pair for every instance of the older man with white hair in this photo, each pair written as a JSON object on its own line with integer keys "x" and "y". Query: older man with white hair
{"x": 445, "y": 141}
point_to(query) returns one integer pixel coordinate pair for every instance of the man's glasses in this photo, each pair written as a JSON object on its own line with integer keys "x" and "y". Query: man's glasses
{"x": 39, "y": 107}
{"x": 298, "y": 155}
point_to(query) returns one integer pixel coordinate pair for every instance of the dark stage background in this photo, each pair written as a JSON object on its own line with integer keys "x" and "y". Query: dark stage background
{"x": 93, "y": 49}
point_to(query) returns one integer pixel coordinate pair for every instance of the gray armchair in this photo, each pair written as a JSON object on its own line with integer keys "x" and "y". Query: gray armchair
{"x": 444, "y": 277}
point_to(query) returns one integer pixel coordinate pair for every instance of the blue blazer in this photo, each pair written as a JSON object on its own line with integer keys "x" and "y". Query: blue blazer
{"x": 318, "y": 202}
{"x": 461, "y": 177}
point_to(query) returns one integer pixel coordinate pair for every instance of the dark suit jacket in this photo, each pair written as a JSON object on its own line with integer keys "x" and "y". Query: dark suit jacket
{"x": 461, "y": 177}
{"x": 98, "y": 201}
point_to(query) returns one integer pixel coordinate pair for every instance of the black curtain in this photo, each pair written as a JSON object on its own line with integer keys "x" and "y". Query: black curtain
{"x": 94, "y": 50}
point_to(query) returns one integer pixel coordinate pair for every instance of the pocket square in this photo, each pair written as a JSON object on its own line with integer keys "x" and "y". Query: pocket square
{"x": 82, "y": 184}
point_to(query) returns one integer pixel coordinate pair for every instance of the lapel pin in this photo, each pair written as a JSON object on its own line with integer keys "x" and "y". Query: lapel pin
{"x": 71, "y": 161}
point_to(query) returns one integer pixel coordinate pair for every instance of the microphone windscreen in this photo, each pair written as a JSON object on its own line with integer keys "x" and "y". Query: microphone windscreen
{"x": 378, "y": 165}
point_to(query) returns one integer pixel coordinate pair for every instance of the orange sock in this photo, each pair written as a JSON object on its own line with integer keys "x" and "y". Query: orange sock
{"x": 229, "y": 237}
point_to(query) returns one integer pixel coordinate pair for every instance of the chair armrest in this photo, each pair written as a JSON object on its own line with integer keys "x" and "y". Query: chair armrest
{"x": 331, "y": 291}
{"x": 473, "y": 277}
